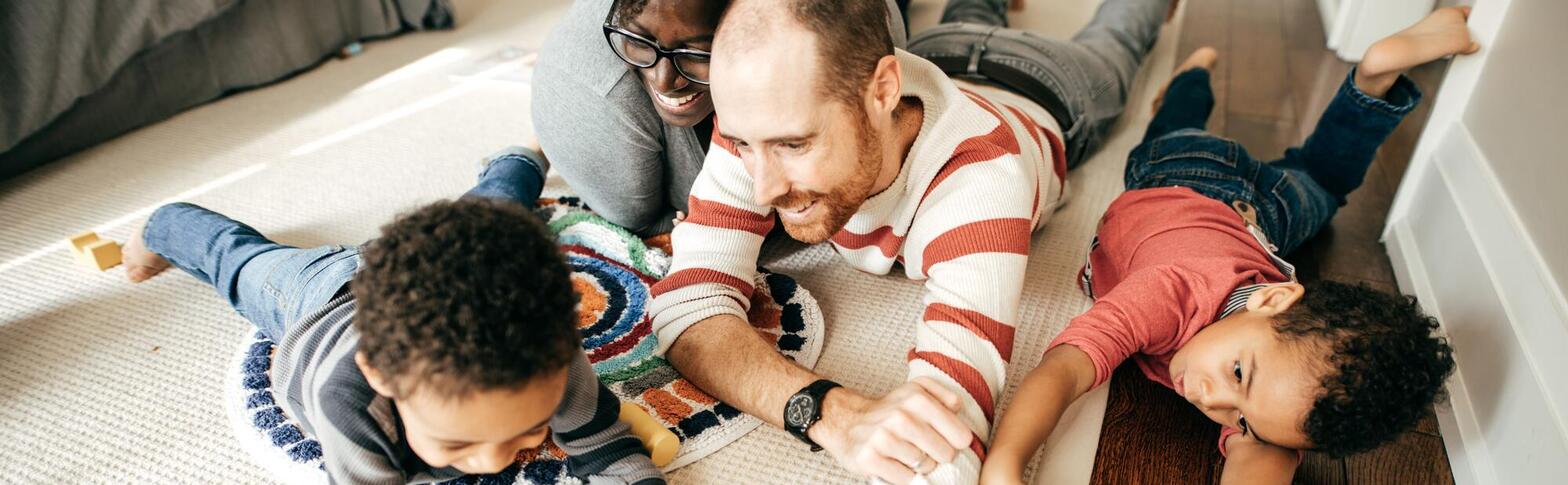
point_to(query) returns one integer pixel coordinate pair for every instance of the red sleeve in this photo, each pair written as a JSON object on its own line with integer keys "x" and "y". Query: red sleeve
{"x": 1148, "y": 313}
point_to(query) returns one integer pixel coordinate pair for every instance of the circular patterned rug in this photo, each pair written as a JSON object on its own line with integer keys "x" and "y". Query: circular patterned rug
{"x": 612, "y": 271}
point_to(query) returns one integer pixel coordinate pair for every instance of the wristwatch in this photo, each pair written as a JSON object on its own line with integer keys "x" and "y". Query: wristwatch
{"x": 805, "y": 408}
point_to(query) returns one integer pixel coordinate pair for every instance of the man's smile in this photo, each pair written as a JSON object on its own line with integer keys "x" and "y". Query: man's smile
{"x": 798, "y": 215}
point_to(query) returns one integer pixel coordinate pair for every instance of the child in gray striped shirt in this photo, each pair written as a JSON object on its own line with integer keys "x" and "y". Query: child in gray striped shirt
{"x": 444, "y": 347}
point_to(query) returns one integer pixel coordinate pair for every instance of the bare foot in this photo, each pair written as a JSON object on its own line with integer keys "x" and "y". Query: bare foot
{"x": 1205, "y": 57}
{"x": 1442, "y": 33}
{"x": 141, "y": 263}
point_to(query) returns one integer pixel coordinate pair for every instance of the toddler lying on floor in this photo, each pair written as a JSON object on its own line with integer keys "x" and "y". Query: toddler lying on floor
{"x": 443, "y": 347}
{"x": 1186, "y": 282}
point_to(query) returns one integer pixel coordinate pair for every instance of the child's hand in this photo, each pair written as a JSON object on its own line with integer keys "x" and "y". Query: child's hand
{"x": 1251, "y": 461}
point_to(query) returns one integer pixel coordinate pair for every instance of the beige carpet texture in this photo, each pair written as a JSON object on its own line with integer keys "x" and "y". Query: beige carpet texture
{"x": 103, "y": 381}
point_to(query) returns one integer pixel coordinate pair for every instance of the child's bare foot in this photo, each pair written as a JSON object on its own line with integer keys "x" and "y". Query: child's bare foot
{"x": 1205, "y": 57}
{"x": 140, "y": 262}
{"x": 1442, "y": 33}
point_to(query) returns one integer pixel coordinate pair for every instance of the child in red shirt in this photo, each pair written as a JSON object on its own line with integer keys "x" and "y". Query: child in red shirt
{"x": 1187, "y": 283}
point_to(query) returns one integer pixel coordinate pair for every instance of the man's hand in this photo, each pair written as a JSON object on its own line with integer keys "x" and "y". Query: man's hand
{"x": 910, "y": 430}
{"x": 907, "y": 432}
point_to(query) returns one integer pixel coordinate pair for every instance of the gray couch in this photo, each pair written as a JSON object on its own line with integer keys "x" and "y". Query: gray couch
{"x": 74, "y": 73}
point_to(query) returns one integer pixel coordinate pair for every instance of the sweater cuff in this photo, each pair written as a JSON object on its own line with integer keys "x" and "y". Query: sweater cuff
{"x": 669, "y": 323}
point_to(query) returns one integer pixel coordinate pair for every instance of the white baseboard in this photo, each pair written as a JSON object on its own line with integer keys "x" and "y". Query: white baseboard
{"x": 1462, "y": 250}
{"x": 1467, "y": 459}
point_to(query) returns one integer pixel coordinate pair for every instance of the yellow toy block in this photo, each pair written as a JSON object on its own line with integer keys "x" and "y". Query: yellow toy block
{"x": 660, "y": 442}
{"x": 100, "y": 254}
{"x": 81, "y": 240}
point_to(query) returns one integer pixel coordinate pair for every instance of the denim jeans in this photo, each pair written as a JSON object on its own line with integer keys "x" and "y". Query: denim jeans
{"x": 274, "y": 285}
{"x": 1295, "y": 196}
{"x": 1091, "y": 74}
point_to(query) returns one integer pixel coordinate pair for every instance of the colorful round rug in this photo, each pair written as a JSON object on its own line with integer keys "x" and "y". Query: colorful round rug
{"x": 612, "y": 271}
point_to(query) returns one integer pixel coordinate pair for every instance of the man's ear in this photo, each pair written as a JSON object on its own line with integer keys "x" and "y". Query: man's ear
{"x": 887, "y": 85}
{"x": 373, "y": 376}
{"x": 1275, "y": 298}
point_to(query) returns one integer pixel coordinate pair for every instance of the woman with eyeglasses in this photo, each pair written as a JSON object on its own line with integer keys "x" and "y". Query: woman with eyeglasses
{"x": 621, "y": 108}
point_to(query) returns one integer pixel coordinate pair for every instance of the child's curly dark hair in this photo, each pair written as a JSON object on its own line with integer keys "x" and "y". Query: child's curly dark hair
{"x": 1385, "y": 366}
{"x": 464, "y": 296}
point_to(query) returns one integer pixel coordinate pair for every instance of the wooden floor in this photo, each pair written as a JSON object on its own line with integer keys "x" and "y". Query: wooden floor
{"x": 1273, "y": 80}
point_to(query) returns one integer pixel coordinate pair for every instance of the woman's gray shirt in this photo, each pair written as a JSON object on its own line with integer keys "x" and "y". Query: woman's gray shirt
{"x": 598, "y": 126}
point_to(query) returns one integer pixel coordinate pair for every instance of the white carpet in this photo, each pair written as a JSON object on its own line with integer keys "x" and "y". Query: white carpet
{"x": 102, "y": 381}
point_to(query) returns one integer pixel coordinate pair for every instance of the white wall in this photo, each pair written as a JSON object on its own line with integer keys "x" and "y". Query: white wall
{"x": 1479, "y": 232}
{"x": 1517, "y": 117}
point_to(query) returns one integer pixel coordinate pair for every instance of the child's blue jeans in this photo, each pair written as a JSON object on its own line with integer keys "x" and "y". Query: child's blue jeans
{"x": 1296, "y": 196}
{"x": 274, "y": 285}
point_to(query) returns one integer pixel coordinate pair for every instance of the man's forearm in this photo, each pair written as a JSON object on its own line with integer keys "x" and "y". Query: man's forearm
{"x": 726, "y": 358}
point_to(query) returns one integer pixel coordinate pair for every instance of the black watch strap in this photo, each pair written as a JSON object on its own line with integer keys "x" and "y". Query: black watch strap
{"x": 804, "y": 409}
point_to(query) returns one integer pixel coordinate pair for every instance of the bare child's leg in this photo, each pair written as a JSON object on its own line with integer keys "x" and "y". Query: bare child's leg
{"x": 1347, "y": 135}
{"x": 1442, "y": 33}
{"x": 1369, "y": 105}
{"x": 141, "y": 263}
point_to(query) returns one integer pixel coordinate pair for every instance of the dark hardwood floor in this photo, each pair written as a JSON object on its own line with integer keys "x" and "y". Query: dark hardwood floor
{"x": 1273, "y": 80}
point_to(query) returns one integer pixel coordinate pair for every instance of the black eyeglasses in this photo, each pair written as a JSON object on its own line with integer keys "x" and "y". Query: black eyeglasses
{"x": 644, "y": 53}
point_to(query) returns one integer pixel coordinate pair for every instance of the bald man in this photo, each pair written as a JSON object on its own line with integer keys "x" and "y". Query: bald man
{"x": 896, "y": 162}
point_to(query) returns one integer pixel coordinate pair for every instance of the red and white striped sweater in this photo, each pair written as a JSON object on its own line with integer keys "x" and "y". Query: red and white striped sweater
{"x": 986, "y": 170}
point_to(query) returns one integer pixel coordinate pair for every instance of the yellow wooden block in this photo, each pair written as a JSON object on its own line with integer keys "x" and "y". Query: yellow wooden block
{"x": 99, "y": 254}
{"x": 660, "y": 442}
{"x": 80, "y": 241}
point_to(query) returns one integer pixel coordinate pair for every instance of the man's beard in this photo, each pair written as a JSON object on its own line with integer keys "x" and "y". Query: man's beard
{"x": 835, "y": 208}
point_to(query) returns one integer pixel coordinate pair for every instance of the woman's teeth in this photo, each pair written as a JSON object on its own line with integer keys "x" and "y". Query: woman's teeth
{"x": 675, "y": 102}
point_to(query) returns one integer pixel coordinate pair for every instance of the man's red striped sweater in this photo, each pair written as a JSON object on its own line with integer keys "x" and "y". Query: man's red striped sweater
{"x": 986, "y": 170}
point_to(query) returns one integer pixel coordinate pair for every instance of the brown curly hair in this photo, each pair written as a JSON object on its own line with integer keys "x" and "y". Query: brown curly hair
{"x": 1385, "y": 365}
{"x": 465, "y": 296}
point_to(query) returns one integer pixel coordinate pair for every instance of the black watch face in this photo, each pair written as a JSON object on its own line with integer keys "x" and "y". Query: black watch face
{"x": 798, "y": 412}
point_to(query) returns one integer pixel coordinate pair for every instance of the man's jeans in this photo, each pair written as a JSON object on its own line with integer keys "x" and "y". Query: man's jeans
{"x": 1296, "y": 196}
{"x": 1091, "y": 75}
{"x": 274, "y": 285}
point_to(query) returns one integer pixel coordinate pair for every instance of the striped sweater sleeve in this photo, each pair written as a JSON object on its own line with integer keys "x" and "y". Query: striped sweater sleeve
{"x": 600, "y": 448}
{"x": 971, "y": 240}
{"x": 716, "y": 249}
